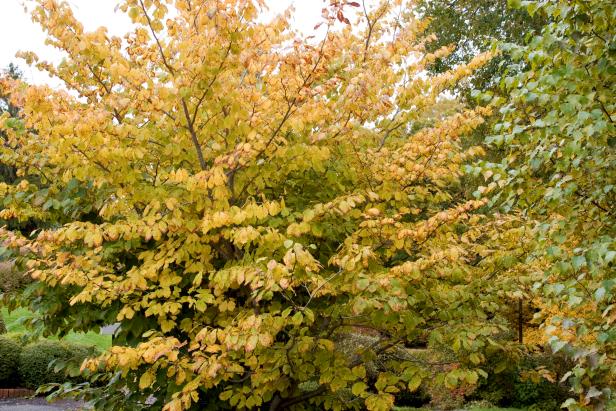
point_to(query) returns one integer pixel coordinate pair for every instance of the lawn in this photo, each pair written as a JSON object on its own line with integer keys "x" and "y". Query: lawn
{"x": 13, "y": 321}
{"x": 465, "y": 409}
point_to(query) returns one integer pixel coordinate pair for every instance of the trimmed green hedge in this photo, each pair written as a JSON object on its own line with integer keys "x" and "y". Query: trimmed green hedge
{"x": 33, "y": 365}
{"x": 10, "y": 350}
{"x": 35, "y": 361}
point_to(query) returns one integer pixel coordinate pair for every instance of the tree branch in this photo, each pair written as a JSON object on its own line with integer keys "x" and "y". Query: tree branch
{"x": 285, "y": 117}
{"x": 371, "y": 24}
{"x": 98, "y": 163}
{"x": 160, "y": 47}
{"x": 193, "y": 136}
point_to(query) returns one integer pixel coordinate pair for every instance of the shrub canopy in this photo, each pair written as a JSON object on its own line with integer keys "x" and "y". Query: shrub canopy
{"x": 557, "y": 138}
{"x": 240, "y": 200}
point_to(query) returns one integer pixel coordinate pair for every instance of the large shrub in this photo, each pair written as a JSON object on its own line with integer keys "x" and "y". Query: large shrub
{"x": 236, "y": 199}
{"x": 558, "y": 136}
{"x": 10, "y": 351}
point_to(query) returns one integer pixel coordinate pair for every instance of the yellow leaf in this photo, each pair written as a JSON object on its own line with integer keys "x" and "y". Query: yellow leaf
{"x": 146, "y": 380}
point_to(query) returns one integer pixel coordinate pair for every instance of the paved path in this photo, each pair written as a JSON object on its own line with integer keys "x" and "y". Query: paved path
{"x": 37, "y": 404}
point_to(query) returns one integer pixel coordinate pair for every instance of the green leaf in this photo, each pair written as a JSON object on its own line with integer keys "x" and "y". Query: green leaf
{"x": 514, "y": 4}
{"x": 146, "y": 380}
{"x": 599, "y": 293}
{"x": 363, "y": 283}
{"x": 359, "y": 388}
{"x": 500, "y": 367}
{"x": 558, "y": 345}
{"x": 578, "y": 261}
{"x": 414, "y": 382}
{"x": 297, "y": 318}
{"x": 475, "y": 358}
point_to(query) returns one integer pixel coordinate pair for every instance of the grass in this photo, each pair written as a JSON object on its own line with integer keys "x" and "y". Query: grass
{"x": 14, "y": 324}
{"x": 466, "y": 409}
{"x": 494, "y": 409}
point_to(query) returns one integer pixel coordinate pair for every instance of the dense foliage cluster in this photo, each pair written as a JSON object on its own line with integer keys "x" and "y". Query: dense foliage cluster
{"x": 281, "y": 222}
{"x": 45, "y": 362}
{"x": 558, "y": 141}
{"x": 41, "y": 362}
{"x": 470, "y": 27}
{"x": 241, "y": 202}
{"x": 8, "y": 173}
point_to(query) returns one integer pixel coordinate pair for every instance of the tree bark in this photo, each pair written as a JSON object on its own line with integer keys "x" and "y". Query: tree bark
{"x": 520, "y": 321}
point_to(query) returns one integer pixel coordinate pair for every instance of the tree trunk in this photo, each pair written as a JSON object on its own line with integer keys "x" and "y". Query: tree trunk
{"x": 520, "y": 321}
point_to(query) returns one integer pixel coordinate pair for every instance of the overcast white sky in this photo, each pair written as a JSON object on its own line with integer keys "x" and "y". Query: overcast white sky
{"x": 18, "y": 32}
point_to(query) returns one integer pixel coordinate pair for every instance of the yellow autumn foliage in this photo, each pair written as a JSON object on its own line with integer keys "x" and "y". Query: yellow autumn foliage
{"x": 239, "y": 199}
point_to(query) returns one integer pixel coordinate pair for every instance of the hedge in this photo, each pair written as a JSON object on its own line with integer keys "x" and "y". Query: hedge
{"x": 35, "y": 359}
{"x": 10, "y": 351}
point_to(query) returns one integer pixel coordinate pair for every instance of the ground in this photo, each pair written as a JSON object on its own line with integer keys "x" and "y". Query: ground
{"x": 37, "y": 404}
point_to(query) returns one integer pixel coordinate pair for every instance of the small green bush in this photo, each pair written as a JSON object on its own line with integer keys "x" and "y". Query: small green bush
{"x": 35, "y": 361}
{"x": 2, "y": 325}
{"x": 9, "y": 360}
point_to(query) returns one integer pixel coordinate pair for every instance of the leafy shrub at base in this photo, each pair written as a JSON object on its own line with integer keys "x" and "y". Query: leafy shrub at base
{"x": 47, "y": 362}
{"x": 528, "y": 381}
{"x": 12, "y": 278}
{"x": 9, "y": 357}
{"x": 298, "y": 195}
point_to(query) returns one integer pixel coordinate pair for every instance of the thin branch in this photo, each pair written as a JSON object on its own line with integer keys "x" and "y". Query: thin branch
{"x": 300, "y": 398}
{"x": 607, "y": 114}
{"x": 290, "y": 106}
{"x": 242, "y": 379}
{"x": 387, "y": 133}
{"x": 190, "y": 120}
{"x": 370, "y": 28}
{"x": 371, "y": 24}
{"x": 211, "y": 83}
{"x": 193, "y": 136}
{"x": 312, "y": 294}
{"x": 323, "y": 388}
{"x": 160, "y": 47}
{"x": 98, "y": 163}
{"x": 100, "y": 81}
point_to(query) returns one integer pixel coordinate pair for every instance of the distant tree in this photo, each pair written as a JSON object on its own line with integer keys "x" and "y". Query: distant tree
{"x": 472, "y": 27}
{"x": 13, "y": 72}
{"x": 7, "y": 172}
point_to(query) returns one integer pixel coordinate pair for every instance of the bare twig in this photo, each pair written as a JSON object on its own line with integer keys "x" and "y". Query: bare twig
{"x": 313, "y": 293}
